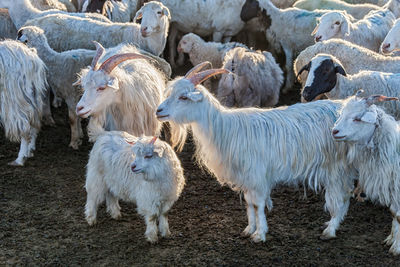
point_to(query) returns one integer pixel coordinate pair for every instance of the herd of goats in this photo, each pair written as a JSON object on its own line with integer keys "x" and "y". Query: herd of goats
{"x": 104, "y": 59}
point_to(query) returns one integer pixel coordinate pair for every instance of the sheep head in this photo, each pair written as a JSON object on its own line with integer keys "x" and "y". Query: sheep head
{"x": 186, "y": 43}
{"x": 358, "y": 119}
{"x": 32, "y": 36}
{"x": 334, "y": 24}
{"x": 155, "y": 18}
{"x": 322, "y": 75}
{"x": 100, "y": 83}
{"x": 392, "y": 40}
{"x": 184, "y": 97}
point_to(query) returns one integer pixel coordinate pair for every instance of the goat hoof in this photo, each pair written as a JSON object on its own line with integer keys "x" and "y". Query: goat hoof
{"x": 248, "y": 231}
{"x": 257, "y": 237}
{"x": 75, "y": 145}
{"x": 91, "y": 220}
{"x": 16, "y": 163}
{"x": 49, "y": 121}
{"x": 152, "y": 237}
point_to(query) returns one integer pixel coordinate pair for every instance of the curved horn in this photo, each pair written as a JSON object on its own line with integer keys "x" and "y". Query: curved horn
{"x": 204, "y": 75}
{"x": 99, "y": 52}
{"x": 153, "y": 140}
{"x": 378, "y": 98}
{"x": 115, "y": 60}
{"x": 197, "y": 68}
{"x": 305, "y": 67}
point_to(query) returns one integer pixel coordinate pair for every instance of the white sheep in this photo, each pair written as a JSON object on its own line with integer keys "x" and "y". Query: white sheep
{"x": 286, "y": 29}
{"x": 373, "y": 138}
{"x": 53, "y": 4}
{"x": 22, "y": 88}
{"x": 283, "y": 3}
{"x": 368, "y": 32}
{"x": 391, "y": 43}
{"x": 22, "y": 10}
{"x": 121, "y": 95}
{"x": 7, "y": 27}
{"x": 253, "y": 150}
{"x": 200, "y": 50}
{"x": 66, "y": 33}
{"x": 354, "y": 58}
{"x": 358, "y": 11}
{"x": 62, "y": 70}
{"x": 326, "y": 75}
{"x": 147, "y": 173}
{"x": 254, "y": 79}
{"x": 116, "y": 11}
{"x": 374, "y": 2}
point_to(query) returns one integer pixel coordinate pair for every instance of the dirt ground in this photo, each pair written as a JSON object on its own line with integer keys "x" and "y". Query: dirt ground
{"x": 42, "y": 221}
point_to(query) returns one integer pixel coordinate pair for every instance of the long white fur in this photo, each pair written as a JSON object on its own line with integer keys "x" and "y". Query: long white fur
{"x": 368, "y": 32}
{"x": 372, "y": 82}
{"x": 377, "y": 160}
{"x": 22, "y": 88}
{"x": 346, "y": 53}
{"x": 253, "y": 150}
{"x": 254, "y": 80}
{"x": 67, "y": 33}
{"x": 358, "y": 11}
{"x": 22, "y": 10}
{"x": 132, "y": 106}
{"x": 154, "y": 190}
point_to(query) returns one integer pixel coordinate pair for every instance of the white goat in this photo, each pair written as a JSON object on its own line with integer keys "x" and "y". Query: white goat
{"x": 373, "y": 138}
{"x": 62, "y": 69}
{"x": 22, "y": 10}
{"x": 346, "y": 53}
{"x": 7, "y": 27}
{"x": 124, "y": 97}
{"x": 391, "y": 43}
{"x": 358, "y": 11}
{"x": 22, "y": 88}
{"x": 252, "y": 150}
{"x": 326, "y": 75}
{"x": 148, "y": 173}
{"x": 368, "y": 32}
{"x": 254, "y": 79}
{"x": 66, "y": 33}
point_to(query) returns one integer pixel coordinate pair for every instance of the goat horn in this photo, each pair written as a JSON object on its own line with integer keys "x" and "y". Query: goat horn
{"x": 197, "y": 68}
{"x": 153, "y": 140}
{"x": 204, "y": 75}
{"x": 99, "y": 53}
{"x": 115, "y": 60}
{"x": 379, "y": 98}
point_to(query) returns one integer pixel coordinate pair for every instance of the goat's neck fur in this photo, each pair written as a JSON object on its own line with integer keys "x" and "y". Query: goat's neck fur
{"x": 22, "y": 11}
{"x": 378, "y": 162}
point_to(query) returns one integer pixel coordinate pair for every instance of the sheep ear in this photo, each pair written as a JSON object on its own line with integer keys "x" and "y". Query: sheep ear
{"x": 138, "y": 15}
{"x": 305, "y": 67}
{"x": 369, "y": 117}
{"x": 159, "y": 151}
{"x": 113, "y": 83}
{"x": 315, "y": 30}
{"x": 339, "y": 69}
{"x": 195, "y": 96}
{"x": 165, "y": 12}
{"x": 345, "y": 28}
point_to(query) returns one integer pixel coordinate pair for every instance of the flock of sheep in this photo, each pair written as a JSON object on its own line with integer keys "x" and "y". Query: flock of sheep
{"x": 108, "y": 67}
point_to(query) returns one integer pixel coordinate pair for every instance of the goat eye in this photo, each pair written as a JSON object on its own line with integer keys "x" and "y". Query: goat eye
{"x": 148, "y": 156}
{"x": 101, "y": 89}
{"x": 159, "y": 12}
{"x": 337, "y": 22}
{"x": 357, "y": 119}
{"x": 183, "y": 97}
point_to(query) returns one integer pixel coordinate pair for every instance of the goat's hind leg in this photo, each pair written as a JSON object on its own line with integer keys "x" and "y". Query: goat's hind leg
{"x": 251, "y": 216}
{"x": 113, "y": 207}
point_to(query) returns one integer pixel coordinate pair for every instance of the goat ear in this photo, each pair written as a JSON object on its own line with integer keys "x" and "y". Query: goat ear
{"x": 78, "y": 82}
{"x": 159, "y": 151}
{"x": 369, "y": 117}
{"x": 113, "y": 83}
{"x": 195, "y": 96}
{"x": 339, "y": 69}
{"x": 165, "y": 12}
{"x": 345, "y": 28}
{"x": 139, "y": 15}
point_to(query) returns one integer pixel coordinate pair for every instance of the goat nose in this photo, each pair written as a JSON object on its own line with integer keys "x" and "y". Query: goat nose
{"x": 144, "y": 29}
{"x": 334, "y": 132}
{"x": 79, "y": 108}
{"x": 318, "y": 38}
{"x": 385, "y": 46}
{"x": 159, "y": 110}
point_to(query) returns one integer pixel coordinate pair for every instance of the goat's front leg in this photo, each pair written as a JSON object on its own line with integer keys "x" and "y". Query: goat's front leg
{"x": 395, "y": 233}
{"x": 22, "y": 154}
{"x": 251, "y": 216}
{"x": 151, "y": 228}
{"x": 262, "y": 227}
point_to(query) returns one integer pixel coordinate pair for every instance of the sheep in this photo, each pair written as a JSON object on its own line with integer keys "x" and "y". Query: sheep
{"x": 326, "y": 75}
{"x": 373, "y": 139}
{"x": 200, "y": 51}
{"x": 368, "y": 32}
{"x": 116, "y": 11}
{"x": 286, "y": 29}
{"x": 358, "y": 11}
{"x": 346, "y": 53}
{"x": 252, "y": 150}
{"x": 122, "y": 98}
{"x": 283, "y": 3}
{"x": 254, "y": 79}
{"x": 146, "y": 172}
{"x": 391, "y": 43}
{"x": 67, "y": 33}
{"x": 54, "y": 4}
{"x": 22, "y": 88}
{"x": 7, "y": 27}
{"x": 374, "y": 2}
{"x": 22, "y": 10}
